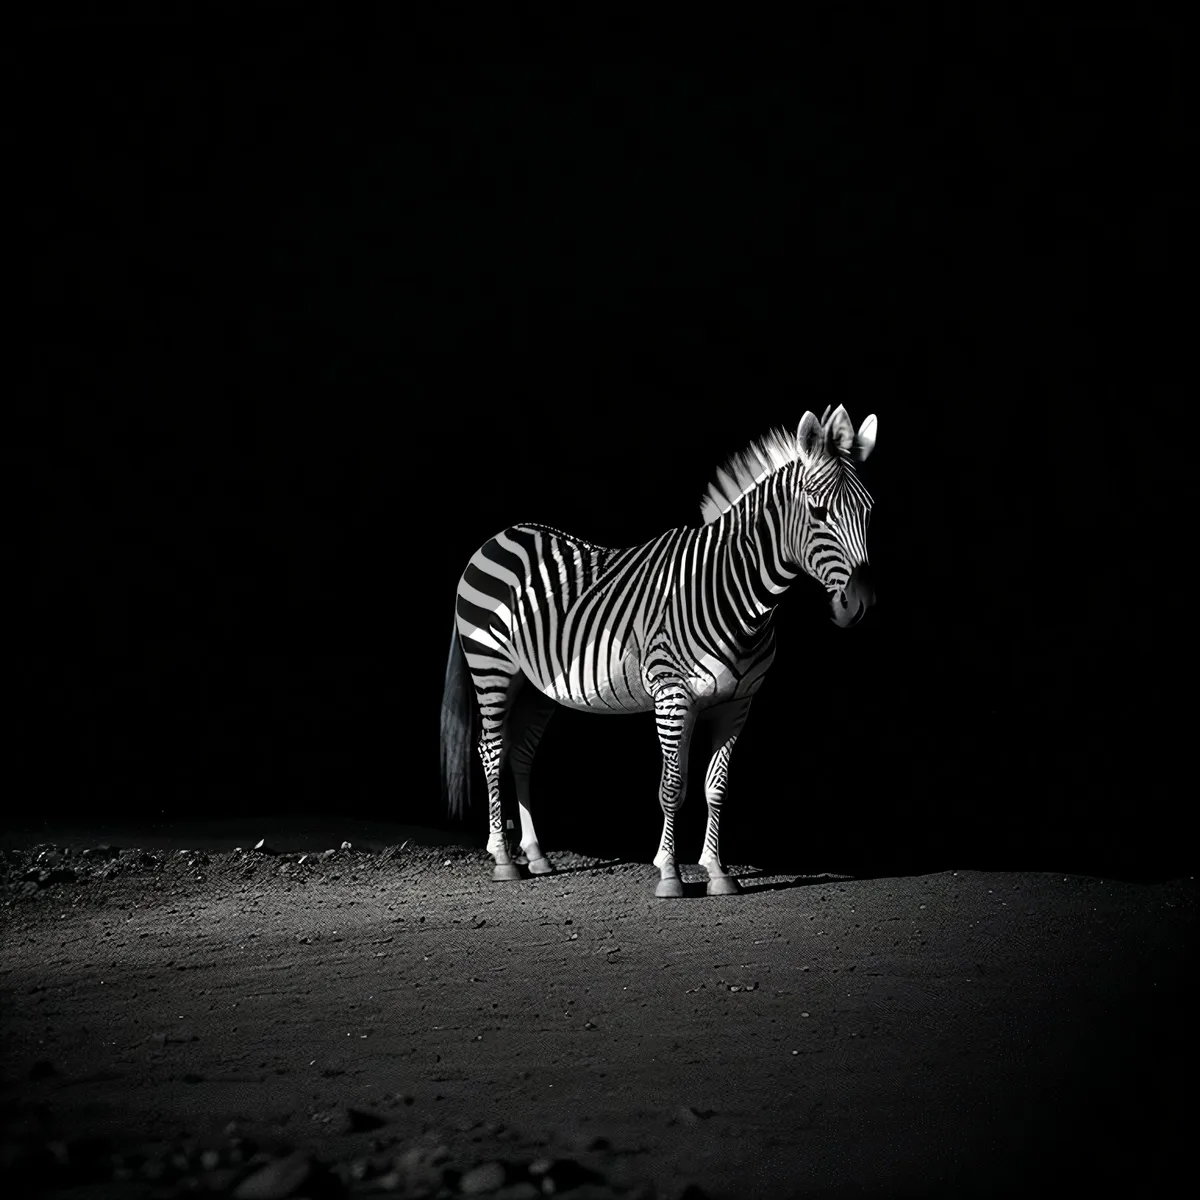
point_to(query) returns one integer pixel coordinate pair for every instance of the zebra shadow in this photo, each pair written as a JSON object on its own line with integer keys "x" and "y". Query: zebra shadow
{"x": 591, "y": 868}
{"x": 772, "y": 877}
{"x": 775, "y": 877}
{"x": 694, "y": 884}
{"x": 755, "y": 880}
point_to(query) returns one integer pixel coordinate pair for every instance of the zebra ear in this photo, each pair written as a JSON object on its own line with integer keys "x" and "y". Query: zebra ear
{"x": 864, "y": 440}
{"x": 841, "y": 430}
{"x": 810, "y": 439}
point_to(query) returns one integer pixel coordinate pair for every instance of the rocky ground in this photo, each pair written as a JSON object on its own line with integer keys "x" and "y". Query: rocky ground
{"x": 342, "y": 1022}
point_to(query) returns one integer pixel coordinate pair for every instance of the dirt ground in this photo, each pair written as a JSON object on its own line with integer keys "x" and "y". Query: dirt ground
{"x": 183, "y": 1020}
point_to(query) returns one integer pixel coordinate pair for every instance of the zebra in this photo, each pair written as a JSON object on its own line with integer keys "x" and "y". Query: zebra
{"x": 680, "y": 626}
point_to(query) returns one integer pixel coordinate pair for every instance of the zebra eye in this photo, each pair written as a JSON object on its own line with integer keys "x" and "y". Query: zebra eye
{"x": 819, "y": 511}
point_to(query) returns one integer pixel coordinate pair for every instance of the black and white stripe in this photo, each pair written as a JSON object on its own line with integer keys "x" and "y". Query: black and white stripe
{"x": 680, "y": 626}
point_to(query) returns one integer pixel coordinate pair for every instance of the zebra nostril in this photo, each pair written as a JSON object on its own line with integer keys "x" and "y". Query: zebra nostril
{"x": 845, "y": 602}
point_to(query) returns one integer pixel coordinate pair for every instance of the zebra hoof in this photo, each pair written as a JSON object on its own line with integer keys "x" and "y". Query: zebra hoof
{"x": 723, "y": 885}
{"x": 541, "y": 866}
{"x": 504, "y": 871}
{"x": 669, "y": 889}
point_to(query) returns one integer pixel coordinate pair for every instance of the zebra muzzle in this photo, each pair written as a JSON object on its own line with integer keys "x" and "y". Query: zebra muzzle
{"x": 852, "y": 602}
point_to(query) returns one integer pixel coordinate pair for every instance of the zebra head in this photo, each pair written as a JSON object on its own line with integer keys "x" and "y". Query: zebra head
{"x": 827, "y": 529}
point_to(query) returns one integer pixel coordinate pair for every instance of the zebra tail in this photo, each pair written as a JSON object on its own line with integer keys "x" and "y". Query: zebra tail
{"x": 459, "y": 720}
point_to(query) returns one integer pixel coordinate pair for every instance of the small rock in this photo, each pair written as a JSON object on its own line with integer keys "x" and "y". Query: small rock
{"x": 261, "y": 847}
{"x": 419, "y": 1169}
{"x": 411, "y": 1159}
{"x": 487, "y": 1177}
{"x": 347, "y": 846}
{"x": 276, "y": 1180}
{"x": 358, "y": 1169}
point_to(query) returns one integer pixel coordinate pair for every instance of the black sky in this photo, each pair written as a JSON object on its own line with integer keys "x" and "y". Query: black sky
{"x": 321, "y": 302}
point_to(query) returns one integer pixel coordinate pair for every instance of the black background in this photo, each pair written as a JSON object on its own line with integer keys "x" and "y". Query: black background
{"x": 323, "y": 301}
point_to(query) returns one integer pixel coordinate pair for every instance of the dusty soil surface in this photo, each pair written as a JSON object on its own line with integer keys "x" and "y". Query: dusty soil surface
{"x": 180, "y": 1022}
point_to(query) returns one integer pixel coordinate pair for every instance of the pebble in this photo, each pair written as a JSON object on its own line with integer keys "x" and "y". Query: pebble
{"x": 487, "y": 1177}
{"x": 277, "y": 1179}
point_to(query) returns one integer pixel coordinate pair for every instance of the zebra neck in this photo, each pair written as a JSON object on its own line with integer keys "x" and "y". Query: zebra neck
{"x": 755, "y": 577}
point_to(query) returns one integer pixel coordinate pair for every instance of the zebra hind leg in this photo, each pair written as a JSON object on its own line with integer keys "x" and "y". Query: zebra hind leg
{"x": 494, "y": 711}
{"x": 674, "y": 717}
{"x": 531, "y": 714}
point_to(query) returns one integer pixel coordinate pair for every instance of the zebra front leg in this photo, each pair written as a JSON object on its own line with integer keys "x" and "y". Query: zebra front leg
{"x": 674, "y": 716}
{"x": 727, "y": 722}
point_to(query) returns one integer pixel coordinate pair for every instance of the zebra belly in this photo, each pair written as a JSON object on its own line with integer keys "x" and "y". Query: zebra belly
{"x": 630, "y": 694}
{"x": 589, "y": 686}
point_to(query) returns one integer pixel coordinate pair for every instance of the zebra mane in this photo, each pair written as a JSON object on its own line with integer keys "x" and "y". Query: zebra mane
{"x": 742, "y": 473}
